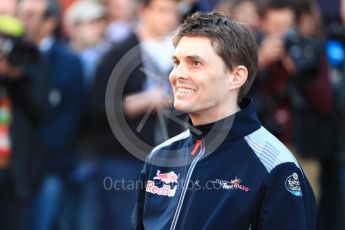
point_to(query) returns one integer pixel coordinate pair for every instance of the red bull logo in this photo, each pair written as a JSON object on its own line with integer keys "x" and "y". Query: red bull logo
{"x": 167, "y": 178}
{"x": 167, "y": 189}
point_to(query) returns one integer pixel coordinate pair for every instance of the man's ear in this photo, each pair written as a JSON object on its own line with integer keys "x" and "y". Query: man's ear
{"x": 238, "y": 77}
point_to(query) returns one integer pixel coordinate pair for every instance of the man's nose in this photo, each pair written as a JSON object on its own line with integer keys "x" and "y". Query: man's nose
{"x": 179, "y": 71}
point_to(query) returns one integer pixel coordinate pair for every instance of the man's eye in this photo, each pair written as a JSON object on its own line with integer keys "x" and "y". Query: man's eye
{"x": 176, "y": 63}
{"x": 196, "y": 63}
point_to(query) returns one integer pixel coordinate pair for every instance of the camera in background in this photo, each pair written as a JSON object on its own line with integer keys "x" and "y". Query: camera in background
{"x": 18, "y": 52}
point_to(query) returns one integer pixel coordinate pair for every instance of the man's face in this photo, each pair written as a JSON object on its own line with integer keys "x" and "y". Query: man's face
{"x": 8, "y": 7}
{"x": 247, "y": 13}
{"x": 161, "y": 16}
{"x": 200, "y": 79}
{"x": 120, "y": 9}
{"x": 278, "y": 21}
{"x": 31, "y": 14}
{"x": 89, "y": 33}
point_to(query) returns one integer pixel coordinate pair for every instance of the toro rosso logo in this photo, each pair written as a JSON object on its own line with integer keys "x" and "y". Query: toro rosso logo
{"x": 170, "y": 182}
{"x": 234, "y": 184}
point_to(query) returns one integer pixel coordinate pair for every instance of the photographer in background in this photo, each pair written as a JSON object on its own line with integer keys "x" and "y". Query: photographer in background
{"x": 59, "y": 129}
{"x": 297, "y": 101}
{"x": 288, "y": 61}
{"x": 245, "y": 11}
{"x": 23, "y": 93}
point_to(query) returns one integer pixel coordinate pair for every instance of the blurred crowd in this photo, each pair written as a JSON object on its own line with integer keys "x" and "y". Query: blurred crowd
{"x": 61, "y": 166}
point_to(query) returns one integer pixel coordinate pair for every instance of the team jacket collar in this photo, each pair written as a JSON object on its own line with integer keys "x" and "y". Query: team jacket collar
{"x": 235, "y": 126}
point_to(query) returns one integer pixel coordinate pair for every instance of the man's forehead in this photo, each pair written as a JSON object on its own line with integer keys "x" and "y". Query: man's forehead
{"x": 157, "y": 3}
{"x": 193, "y": 47}
{"x": 33, "y": 4}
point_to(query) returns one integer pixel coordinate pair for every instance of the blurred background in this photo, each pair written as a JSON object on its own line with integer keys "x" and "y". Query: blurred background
{"x": 61, "y": 166}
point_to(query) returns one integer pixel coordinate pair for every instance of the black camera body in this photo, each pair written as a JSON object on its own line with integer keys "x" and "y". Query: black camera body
{"x": 304, "y": 52}
{"x": 18, "y": 52}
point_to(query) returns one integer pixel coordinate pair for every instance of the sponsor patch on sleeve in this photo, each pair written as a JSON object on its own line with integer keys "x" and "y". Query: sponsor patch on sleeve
{"x": 293, "y": 185}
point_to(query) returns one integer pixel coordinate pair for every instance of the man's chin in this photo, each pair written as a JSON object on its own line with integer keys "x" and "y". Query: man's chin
{"x": 183, "y": 108}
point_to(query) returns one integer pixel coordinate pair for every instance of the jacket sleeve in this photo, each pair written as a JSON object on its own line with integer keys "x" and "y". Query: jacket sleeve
{"x": 137, "y": 215}
{"x": 288, "y": 201}
{"x": 30, "y": 92}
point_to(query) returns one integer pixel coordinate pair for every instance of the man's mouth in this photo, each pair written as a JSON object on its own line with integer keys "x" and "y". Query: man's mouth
{"x": 185, "y": 90}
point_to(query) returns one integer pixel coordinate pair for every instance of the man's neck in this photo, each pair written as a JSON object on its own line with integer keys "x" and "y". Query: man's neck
{"x": 213, "y": 115}
{"x": 79, "y": 46}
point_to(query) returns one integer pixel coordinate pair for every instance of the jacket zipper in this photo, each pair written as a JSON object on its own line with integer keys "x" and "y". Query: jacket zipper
{"x": 185, "y": 185}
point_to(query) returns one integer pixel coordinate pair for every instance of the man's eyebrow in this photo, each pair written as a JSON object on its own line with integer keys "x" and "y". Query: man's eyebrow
{"x": 190, "y": 57}
{"x": 194, "y": 57}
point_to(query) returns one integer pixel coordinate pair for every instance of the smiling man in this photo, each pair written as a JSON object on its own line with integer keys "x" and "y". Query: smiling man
{"x": 226, "y": 171}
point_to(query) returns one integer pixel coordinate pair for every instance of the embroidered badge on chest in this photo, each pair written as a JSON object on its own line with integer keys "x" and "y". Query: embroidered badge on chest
{"x": 234, "y": 184}
{"x": 169, "y": 181}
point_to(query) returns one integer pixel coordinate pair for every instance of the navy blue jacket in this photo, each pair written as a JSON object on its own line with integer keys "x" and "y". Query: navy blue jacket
{"x": 231, "y": 174}
{"x": 59, "y": 129}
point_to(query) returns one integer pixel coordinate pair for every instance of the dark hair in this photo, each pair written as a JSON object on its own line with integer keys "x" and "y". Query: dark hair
{"x": 53, "y": 10}
{"x": 303, "y": 7}
{"x": 232, "y": 41}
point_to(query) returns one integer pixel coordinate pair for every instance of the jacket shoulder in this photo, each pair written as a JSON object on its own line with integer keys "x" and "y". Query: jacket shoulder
{"x": 270, "y": 151}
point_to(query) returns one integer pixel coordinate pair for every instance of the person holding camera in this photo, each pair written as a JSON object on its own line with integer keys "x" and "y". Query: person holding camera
{"x": 291, "y": 61}
{"x": 42, "y": 19}
{"x": 297, "y": 100}
{"x": 23, "y": 105}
